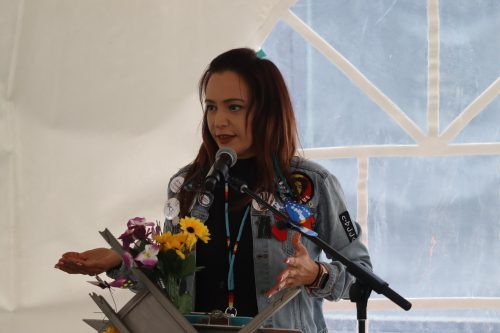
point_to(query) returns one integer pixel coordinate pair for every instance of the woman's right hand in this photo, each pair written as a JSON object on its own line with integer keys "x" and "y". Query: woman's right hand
{"x": 91, "y": 262}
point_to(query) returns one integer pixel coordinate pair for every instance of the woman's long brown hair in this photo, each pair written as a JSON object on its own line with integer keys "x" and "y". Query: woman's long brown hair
{"x": 273, "y": 126}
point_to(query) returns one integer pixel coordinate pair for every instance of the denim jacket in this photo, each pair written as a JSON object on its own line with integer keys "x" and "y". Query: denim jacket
{"x": 333, "y": 225}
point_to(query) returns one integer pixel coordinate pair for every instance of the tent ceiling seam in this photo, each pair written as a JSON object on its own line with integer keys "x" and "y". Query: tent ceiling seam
{"x": 15, "y": 49}
{"x": 268, "y": 25}
{"x": 433, "y": 68}
{"x": 422, "y": 303}
{"x": 362, "y": 195}
{"x": 485, "y": 148}
{"x": 471, "y": 111}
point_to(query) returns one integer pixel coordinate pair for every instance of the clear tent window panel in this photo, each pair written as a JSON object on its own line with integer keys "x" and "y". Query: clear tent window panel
{"x": 469, "y": 52}
{"x": 429, "y": 140}
{"x": 397, "y": 63}
{"x": 434, "y": 226}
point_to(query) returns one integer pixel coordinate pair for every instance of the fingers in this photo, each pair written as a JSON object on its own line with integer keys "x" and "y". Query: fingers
{"x": 300, "y": 249}
{"x": 300, "y": 270}
{"x": 91, "y": 262}
{"x": 77, "y": 266}
{"x": 69, "y": 264}
{"x": 285, "y": 280}
{"x": 273, "y": 291}
{"x": 66, "y": 269}
{"x": 300, "y": 252}
{"x": 71, "y": 255}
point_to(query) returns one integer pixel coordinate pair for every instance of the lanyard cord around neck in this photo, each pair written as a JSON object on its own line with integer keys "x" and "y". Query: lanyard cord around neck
{"x": 282, "y": 185}
{"x": 231, "y": 310}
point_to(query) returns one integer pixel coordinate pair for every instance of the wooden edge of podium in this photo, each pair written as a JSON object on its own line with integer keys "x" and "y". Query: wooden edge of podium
{"x": 279, "y": 301}
{"x": 109, "y": 312}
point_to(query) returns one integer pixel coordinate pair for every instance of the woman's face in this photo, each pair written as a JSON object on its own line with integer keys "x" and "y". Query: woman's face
{"x": 226, "y": 104}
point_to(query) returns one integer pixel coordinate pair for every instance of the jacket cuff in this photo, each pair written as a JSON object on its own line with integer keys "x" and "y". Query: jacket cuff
{"x": 118, "y": 271}
{"x": 326, "y": 291}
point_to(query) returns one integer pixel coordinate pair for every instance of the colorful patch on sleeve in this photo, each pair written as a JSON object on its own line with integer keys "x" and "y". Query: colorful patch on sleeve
{"x": 348, "y": 226}
{"x": 302, "y": 187}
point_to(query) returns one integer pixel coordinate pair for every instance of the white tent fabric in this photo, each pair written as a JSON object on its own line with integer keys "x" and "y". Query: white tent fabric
{"x": 98, "y": 107}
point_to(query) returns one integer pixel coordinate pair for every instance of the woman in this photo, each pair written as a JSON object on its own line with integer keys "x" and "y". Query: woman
{"x": 247, "y": 108}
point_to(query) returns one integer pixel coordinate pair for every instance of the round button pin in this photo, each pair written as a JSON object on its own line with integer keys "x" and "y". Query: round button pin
{"x": 172, "y": 208}
{"x": 176, "y": 184}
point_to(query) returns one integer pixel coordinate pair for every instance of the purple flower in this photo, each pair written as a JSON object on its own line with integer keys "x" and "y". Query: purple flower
{"x": 135, "y": 221}
{"x": 138, "y": 227}
{"x": 127, "y": 238}
{"x": 139, "y": 221}
{"x": 157, "y": 230}
{"x": 127, "y": 259}
{"x": 139, "y": 232}
{"x": 148, "y": 257}
{"x": 123, "y": 282}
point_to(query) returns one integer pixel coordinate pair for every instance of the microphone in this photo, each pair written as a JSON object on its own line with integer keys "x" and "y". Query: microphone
{"x": 224, "y": 159}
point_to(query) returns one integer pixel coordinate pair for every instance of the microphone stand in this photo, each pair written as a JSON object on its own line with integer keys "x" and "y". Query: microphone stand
{"x": 366, "y": 281}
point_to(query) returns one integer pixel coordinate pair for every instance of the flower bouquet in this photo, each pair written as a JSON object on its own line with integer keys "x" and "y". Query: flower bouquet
{"x": 166, "y": 258}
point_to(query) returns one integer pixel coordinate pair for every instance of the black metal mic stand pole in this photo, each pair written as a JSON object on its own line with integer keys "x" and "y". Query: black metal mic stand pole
{"x": 366, "y": 281}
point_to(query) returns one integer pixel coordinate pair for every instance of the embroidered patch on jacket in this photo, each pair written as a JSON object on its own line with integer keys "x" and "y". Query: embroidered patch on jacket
{"x": 267, "y": 197}
{"x": 302, "y": 187}
{"x": 279, "y": 234}
{"x": 348, "y": 226}
{"x": 299, "y": 213}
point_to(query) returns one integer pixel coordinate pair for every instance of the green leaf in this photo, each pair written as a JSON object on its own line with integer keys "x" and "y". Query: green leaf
{"x": 188, "y": 266}
{"x": 171, "y": 263}
{"x": 160, "y": 266}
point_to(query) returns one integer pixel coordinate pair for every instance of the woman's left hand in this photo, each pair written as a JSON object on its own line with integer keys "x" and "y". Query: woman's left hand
{"x": 300, "y": 270}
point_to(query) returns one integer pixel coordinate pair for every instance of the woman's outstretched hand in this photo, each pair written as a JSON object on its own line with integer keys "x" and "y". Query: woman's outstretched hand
{"x": 90, "y": 262}
{"x": 301, "y": 269}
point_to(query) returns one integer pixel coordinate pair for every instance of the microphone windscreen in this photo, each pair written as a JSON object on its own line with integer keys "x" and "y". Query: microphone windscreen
{"x": 229, "y": 152}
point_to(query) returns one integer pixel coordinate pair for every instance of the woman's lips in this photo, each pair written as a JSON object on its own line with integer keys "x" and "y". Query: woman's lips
{"x": 224, "y": 139}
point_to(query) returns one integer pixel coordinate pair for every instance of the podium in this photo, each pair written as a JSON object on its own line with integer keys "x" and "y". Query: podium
{"x": 151, "y": 311}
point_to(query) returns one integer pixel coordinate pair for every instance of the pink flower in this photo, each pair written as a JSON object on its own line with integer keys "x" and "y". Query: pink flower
{"x": 139, "y": 221}
{"x": 123, "y": 282}
{"x": 127, "y": 259}
{"x": 139, "y": 228}
{"x": 135, "y": 221}
{"x": 157, "y": 230}
{"x": 148, "y": 257}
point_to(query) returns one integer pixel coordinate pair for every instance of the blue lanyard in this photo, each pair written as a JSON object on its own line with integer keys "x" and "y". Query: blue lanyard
{"x": 231, "y": 310}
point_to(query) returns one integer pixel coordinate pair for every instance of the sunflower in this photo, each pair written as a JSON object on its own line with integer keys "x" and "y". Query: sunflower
{"x": 180, "y": 254}
{"x": 111, "y": 329}
{"x": 190, "y": 240}
{"x": 168, "y": 241}
{"x": 195, "y": 227}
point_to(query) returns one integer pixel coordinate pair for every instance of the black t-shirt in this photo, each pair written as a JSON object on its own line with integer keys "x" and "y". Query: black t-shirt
{"x": 211, "y": 281}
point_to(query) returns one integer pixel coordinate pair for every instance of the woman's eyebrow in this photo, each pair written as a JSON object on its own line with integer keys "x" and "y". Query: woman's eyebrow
{"x": 229, "y": 100}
